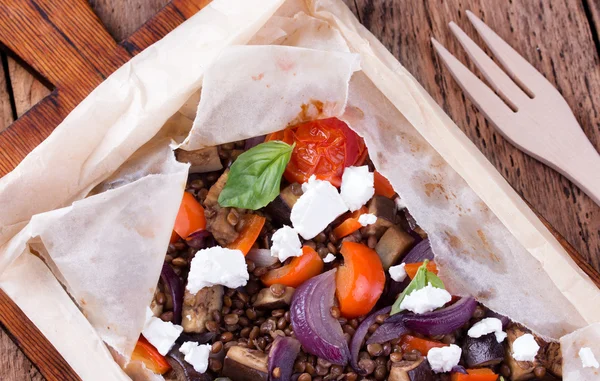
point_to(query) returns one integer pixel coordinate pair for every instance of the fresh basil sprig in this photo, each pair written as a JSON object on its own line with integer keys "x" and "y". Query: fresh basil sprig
{"x": 255, "y": 177}
{"x": 421, "y": 279}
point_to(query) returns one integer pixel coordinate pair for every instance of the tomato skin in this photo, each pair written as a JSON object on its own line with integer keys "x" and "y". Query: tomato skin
{"x": 411, "y": 268}
{"x": 483, "y": 374}
{"x": 323, "y": 148}
{"x": 409, "y": 342}
{"x": 146, "y": 353}
{"x": 299, "y": 270}
{"x": 190, "y": 217}
{"x": 253, "y": 224}
{"x": 360, "y": 281}
{"x": 383, "y": 186}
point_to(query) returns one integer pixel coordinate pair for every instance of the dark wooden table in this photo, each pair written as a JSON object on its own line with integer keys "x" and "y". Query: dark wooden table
{"x": 560, "y": 38}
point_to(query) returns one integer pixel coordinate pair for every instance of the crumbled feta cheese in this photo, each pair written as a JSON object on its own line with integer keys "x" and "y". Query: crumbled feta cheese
{"x": 399, "y": 203}
{"x": 588, "y": 360}
{"x": 367, "y": 219}
{"x": 217, "y": 265}
{"x": 329, "y": 258}
{"x": 444, "y": 359}
{"x": 196, "y": 355}
{"x": 357, "y": 187}
{"x": 525, "y": 348}
{"x": 425, "y": 299}
{"x": 316, "y": 208}
{"x": 161, "y": 334}
{"x": 488, "y": 325}
{"x": 286, "y": 243}
{"x": 397, "y": 272}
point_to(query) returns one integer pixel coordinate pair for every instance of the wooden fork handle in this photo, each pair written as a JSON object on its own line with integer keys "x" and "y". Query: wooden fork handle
{"x": 582, "y": 167}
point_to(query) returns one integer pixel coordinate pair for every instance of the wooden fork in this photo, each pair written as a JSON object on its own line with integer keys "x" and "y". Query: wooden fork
{"x": 528, "y": 110}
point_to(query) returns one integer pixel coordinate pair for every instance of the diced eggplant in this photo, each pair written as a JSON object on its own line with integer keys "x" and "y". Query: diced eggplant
{"x": 243, "y": 364}
{"x": 181, "y": 370}
{"x": 266, "y": 300}
{"x": 216, "y": 216}
{"x": 198, "y": 309}
{"x": 484, "y": 351}
{"x": 418, "y": 370}
{"x": 552, "y": 358}
{"x": 393, "y": 245}
{"x": 281, "y": 208}
{"x": 156, "y": 307}
{"x": 201, "y": 160}
{"x": 519, "y": 370}
{"x": 385, "y": 210}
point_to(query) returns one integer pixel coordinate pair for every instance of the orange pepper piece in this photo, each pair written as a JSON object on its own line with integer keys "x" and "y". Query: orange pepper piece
{"x": 190, "y": 217}
{"x": 350, "y": 224}
{"x": 253, "y": 224}
{"x": 410, "y": 342}
{"x": 411, "y": 268}
{"x": 483, "y": 374}
{"x": 383, "y": 186}
{"x": 146, "y": 353}
{"x": 300, "y": 269}
{"x": 360, "y": 281}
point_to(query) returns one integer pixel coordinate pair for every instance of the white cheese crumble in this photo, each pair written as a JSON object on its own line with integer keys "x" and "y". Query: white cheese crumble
{"x": 486, "y": 326}
{"x": 318, "y": 206}
{"x": 161, "y": 334}
{"x": 357, "y": 186}
{"x": 329, "y": 258}
{"x": 217, "y": 265}
{"x": 525, "y": 348}
{"x": 398, "y": 273}
{"x": 425, "y": 299}
{"x": 367, "y": 219}
{"x": 286, "y": 244}
{"x": 444, "y": 359}
{"x": 399, "y": 203}
{"x": 196, "y": 355}
{"x": 588, "y": 360}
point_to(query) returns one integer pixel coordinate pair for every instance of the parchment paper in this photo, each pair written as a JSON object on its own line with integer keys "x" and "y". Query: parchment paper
{"x": 490, "y": 245}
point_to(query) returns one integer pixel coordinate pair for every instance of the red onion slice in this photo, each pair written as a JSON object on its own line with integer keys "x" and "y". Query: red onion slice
{"x": 319, "y": 333}
{"x": 261, "y": 257}
{"x": 443, "y": 321}
{"x": 392, "y": 328}
{"x": 253, "y": 142}
{"x": 419, "y": 253}
{"x": 359, "y": 336}
{"x": 173, "y": 283}
{"x": 282, "y": 355}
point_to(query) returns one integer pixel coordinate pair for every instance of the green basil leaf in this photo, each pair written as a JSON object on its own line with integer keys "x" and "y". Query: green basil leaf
{"x": 255, "y": 177}
{"x": 421, "y": 279}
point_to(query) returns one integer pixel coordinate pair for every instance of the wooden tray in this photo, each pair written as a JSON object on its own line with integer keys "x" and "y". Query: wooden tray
{"x": 76, "y": 54}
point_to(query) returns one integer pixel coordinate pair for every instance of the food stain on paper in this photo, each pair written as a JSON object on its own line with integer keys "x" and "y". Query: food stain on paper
{"x": 258, "y": 77}
{"x": 430, "y": 188}
{"x": 285, "y": 64}
{"x": 312, "y": 110}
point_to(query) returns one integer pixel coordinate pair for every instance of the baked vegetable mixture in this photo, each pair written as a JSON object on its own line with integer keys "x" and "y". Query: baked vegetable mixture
{"x": 292, "y": 258}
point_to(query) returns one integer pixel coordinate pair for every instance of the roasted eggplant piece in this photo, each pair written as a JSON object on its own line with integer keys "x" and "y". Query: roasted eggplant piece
{"x": 281, "y": 208}
{"x": 266, "y": 300}
{"x": 519, "y": 370}
{"x": 198, "y": 309}
{"x": 243, "y": 364}
{"x": 385, "y": 210}
{"x": 216, "y": 216}
{"x": 182, "y": 371}
{"x": 393, "y": 245}
{"x": 418, "y": 370}
{"x": 484, "y": 351}
{"x": 201, "y": 160}
{"x": 552, "y": 358}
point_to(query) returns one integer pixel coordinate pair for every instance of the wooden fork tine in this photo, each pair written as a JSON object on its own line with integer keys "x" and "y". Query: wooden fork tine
{"x": 515, "y": 65}
{"x": 486, "y": 100}
{"x": 501, "y": 82}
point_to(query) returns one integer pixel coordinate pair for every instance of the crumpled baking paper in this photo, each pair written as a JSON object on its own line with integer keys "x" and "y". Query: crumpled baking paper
{"x": 487, "y": 241}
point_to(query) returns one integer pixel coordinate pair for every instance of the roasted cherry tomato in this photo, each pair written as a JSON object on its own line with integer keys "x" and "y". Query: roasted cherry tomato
{"x": 410, "y": 342}
{"x": 323, "y": 148}
{"x": 300, "y": 269}
{"x": 411, "y": 268}
{"x": 190, "y": 217}
{"x": 360, "y": 281}
{"x": 252, "y": 225}
{"x": 383, "y": 186}
{"x": 483, "y": 374}
{"x": 146, "y": 353}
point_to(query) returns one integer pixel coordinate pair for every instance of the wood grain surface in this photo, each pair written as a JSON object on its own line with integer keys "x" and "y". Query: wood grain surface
{"x": 559, "y": 38}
